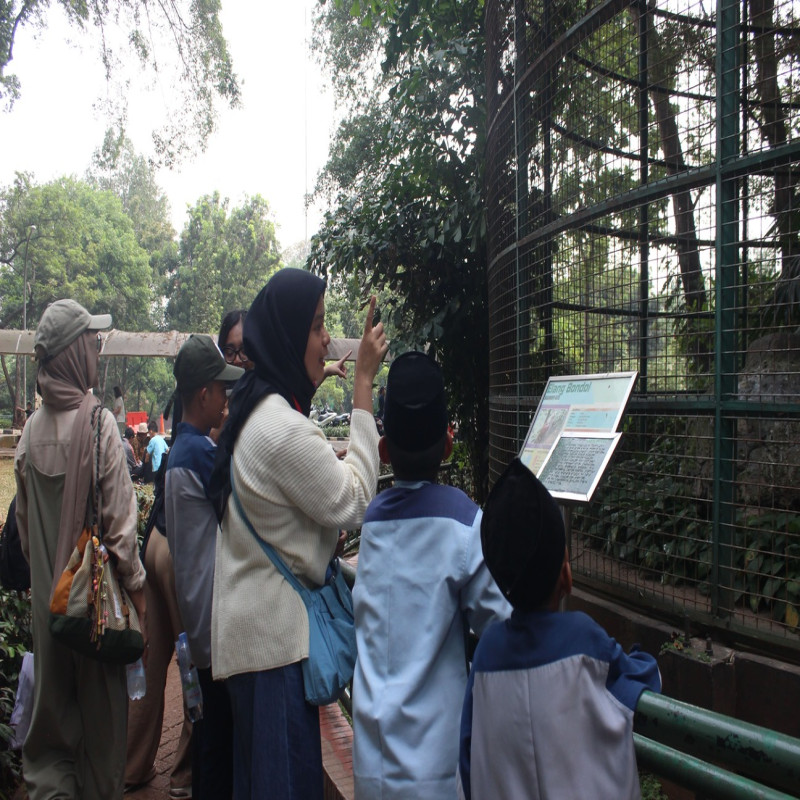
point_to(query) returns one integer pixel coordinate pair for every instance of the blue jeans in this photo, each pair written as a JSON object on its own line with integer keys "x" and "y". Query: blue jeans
{"x": 277, "y": 753}
{"x": 212, "y": 749}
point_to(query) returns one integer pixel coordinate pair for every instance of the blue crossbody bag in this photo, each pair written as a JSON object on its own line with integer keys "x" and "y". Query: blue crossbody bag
{"x": 331, "y": 631}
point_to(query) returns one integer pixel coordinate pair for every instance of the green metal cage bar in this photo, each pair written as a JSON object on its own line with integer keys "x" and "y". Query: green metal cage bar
{"x": 726, "y": 333}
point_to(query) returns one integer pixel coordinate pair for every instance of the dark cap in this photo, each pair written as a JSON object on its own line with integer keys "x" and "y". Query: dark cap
{"x": 523, "y": 539}
{"x": 62, "y": 323}
{"x": 199, "y": 362}
{"x": 415, "y": 411}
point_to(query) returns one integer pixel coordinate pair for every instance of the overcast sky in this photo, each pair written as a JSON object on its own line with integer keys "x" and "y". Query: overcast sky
{"x": 273, "y": 145}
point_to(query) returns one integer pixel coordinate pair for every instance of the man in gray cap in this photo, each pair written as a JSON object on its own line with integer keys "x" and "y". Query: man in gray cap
{"x": 76, "y": 743}
{"x": 202, "y": 375}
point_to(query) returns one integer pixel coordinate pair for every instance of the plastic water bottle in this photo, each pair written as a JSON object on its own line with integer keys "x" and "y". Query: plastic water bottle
{"x": 190, "y": 681}
{"x": 137, "y": 682}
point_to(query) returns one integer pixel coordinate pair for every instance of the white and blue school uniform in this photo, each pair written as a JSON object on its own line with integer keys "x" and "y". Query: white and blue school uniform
{"x": 548, "y": 711}
{"x": 421, "y": 583}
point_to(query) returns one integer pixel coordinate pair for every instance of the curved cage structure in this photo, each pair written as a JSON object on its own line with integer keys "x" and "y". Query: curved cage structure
{"x": 643, "y": 214}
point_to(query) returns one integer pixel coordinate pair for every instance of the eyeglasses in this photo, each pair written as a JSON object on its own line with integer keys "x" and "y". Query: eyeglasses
{"x": 231, "y": 353}
{"x": 99, "y": 342}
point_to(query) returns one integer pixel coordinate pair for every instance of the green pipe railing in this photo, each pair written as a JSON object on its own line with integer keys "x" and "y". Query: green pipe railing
{"x": 714, "y": 783}
{"x": 667, "y": 730}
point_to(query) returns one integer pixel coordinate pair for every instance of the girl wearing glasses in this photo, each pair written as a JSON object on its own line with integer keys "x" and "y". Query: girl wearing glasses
{"x": 230, "y": 339}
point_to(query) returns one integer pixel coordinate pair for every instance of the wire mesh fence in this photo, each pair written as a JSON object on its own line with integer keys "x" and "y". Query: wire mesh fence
{"x": 643, "y": 214}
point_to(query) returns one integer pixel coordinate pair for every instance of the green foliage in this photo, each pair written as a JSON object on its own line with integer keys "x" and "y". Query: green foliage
{"x": 147, "y": 383}
{"x": 460, "y": 473}
{"x": 651, "y": 787}
{"x": 109, "y": 244}
{"x": 117, "y": 168}
{"x": 668, "y": 536}
{"x": 768, "y": 565}
{"x": 72, "y": 240}
{"x": 337, "y": 431}
{"x": 15, "y": 640}
{"x": 335, "y": 393}
{"x": 76, "y": 241}
{"x": 407, "y": 172}
{"x": 224, "y": 259}
{"x": 144, "y": 502}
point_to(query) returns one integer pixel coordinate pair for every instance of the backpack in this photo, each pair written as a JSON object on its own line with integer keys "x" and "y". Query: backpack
{"x": 15, "y": 573}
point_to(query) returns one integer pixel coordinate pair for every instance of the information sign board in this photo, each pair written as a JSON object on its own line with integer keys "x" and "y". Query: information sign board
{"x": 576, "y": 463}
{"x": 573, "y": 433}
{"x": 575, "y": 404}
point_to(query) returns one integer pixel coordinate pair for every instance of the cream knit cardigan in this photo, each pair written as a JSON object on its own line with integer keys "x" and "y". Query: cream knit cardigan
{"x": 297, "y": 495}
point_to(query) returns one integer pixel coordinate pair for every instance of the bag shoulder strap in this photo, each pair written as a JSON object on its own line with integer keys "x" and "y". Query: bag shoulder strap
{"x": 267, "y": 548}
{"x": 97, "y": 414}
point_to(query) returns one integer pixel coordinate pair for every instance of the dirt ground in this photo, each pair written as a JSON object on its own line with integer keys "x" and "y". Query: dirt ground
{"x": 7, "y": 487}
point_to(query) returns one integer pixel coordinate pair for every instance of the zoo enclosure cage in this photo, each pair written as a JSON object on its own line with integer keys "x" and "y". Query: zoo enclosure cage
{"x": 642, "y": 214}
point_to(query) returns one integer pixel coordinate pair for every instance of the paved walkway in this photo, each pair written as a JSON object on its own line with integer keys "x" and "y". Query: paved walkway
{"x": 337, "y": 753}
{"x": 158, "y": 788}
{"x": 337, "y": 747}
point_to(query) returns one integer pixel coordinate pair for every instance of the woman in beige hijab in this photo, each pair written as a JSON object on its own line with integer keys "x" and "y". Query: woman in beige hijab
{"x": 76, "y": 744}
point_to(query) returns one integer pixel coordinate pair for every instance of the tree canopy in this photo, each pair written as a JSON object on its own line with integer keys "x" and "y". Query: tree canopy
{"x": 107, "y": 243}
{"x": 69, "y": 239}
{"x": 406, "y": 177}
{"x": 181, "y": 41}
{"x": 75, "y": 242}
{"x": 224, "y": 258}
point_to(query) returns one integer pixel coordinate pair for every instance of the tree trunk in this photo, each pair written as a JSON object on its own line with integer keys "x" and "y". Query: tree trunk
{"x": 694, "y": 289}
{"x": 12, "y": 392}
{"x": 17, "y": 383}
{"x": 773, "y": 126}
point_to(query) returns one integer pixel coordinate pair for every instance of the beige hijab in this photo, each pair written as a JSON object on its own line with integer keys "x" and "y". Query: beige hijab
{"x": 65, "y": 382}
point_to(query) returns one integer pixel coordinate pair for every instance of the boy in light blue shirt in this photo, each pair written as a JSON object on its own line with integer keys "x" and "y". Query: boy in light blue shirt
{"x": 421, "y": 585}
{"x": 156, "y": 447}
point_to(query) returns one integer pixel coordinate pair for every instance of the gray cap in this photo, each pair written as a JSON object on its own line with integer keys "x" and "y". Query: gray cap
{"x": 199, "y": 362}
{"x": 62, "y": 323}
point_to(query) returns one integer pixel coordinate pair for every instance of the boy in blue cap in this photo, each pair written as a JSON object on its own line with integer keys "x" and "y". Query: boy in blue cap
{"x": 549, "y": 707}
{"x": 421, "y": 585}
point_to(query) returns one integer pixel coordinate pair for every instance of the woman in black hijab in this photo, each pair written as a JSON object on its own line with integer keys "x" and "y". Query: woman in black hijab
{"x": 297, "y": 495}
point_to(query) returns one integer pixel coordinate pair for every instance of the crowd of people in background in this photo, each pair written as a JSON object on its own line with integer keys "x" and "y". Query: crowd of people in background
{"x": 246, "y": 467}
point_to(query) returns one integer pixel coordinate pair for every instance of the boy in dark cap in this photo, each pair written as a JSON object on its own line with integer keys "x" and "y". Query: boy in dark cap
{"x": 549, "y": 706}
{"x": 421, "y": 585}
{"x": 201, "y": 373}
